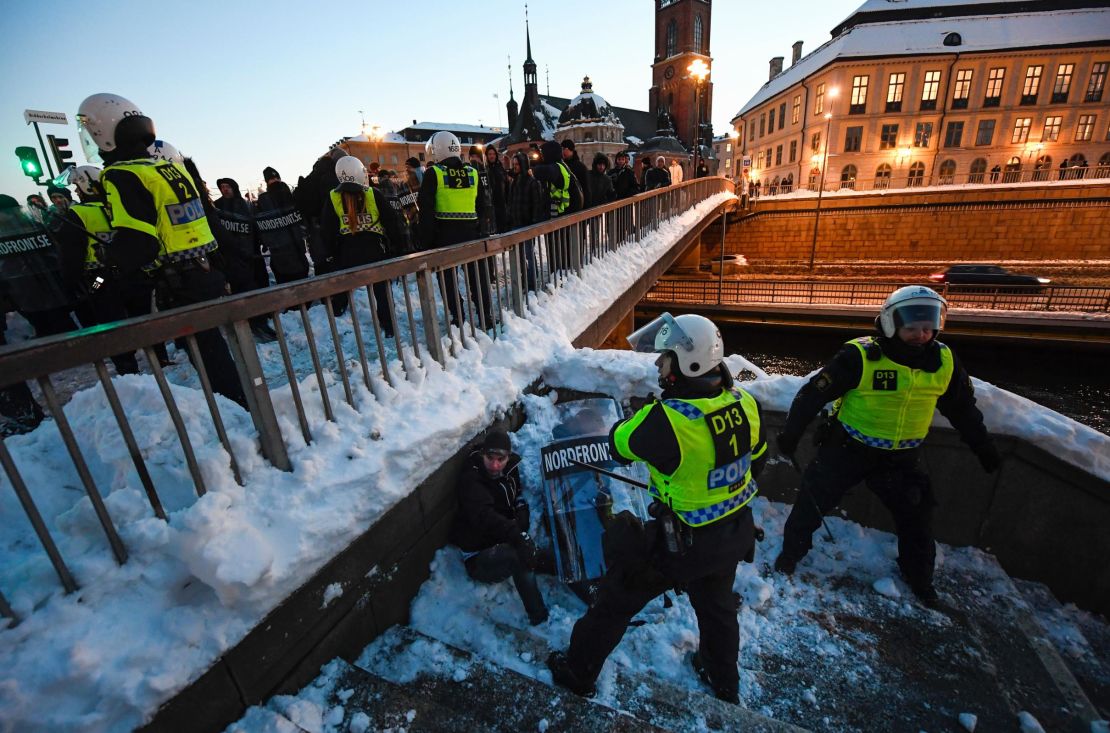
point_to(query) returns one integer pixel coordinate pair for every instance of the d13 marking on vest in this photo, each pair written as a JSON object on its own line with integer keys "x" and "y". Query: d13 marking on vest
{"x": 885, "y": 380}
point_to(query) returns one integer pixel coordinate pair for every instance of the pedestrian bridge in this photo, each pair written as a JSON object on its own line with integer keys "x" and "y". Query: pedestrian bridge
{"x": 325, "y": 374}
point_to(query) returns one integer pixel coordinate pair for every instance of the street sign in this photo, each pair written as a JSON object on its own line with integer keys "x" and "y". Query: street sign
{"x": 747, "y": 161}
{"x": 37, "y": 115}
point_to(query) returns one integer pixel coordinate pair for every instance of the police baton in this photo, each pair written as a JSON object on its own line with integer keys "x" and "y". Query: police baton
{"x": 610, "y": 474}
{"x": 794, "y": 463}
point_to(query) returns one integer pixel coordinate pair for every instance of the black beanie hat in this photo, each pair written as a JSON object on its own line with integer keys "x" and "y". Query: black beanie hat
{"x": 476, "y": 150}
{"x": 413, "y": 162}
{"x": 269, "y": 173}
{"x": 497, "y": 440}
{"x": 568, "y": 144}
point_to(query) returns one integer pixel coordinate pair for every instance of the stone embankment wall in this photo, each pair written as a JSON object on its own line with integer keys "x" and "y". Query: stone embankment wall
{"x": 1050, "y": 222}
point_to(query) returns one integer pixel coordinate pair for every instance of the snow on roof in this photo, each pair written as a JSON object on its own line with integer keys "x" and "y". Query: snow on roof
{"x": 454, "y": 127}
{"x": 876, "y": 5}
{"x": 920, "y": 37}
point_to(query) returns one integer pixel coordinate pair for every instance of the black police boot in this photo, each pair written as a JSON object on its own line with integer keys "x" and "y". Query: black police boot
{"x": 927, "y": 594}
{"x": 565, "y": 677}
{"x": 785, "y": 564}
{"x": 720, "y": 693}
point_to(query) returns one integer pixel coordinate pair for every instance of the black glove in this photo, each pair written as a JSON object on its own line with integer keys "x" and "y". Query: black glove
{"x": 522, "y": 518}
{"x": 788, "y": 444}
{"x": 526, "y": 549}
{"x": 988, "y": 456}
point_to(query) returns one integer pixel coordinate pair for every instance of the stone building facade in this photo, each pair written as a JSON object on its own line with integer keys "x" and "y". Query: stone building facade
{"x": 931, "y": 93}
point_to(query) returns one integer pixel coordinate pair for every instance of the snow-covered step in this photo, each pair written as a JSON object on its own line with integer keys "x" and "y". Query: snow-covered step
{"x": 649, "y": 697}
{"x": 502, "y": 698}
{"x": 1080, "y": 637}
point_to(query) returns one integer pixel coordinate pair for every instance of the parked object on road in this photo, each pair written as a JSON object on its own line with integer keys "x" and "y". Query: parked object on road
{"x": 986, "y": 275}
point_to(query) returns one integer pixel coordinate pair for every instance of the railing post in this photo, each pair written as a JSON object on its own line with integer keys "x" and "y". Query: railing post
{"x": 516, "y": 279}
{"x": 430, "y": 318}
{"x": 257, "y": 392}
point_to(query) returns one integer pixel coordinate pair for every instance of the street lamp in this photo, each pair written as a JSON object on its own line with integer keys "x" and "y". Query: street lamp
{"x": 821, "y": 188}
{"x": 699, "y": 70}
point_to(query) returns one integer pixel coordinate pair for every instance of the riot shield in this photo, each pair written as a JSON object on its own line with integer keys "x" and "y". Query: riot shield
{"x": 581, "y": 502}
{"x": 30, "y": 268}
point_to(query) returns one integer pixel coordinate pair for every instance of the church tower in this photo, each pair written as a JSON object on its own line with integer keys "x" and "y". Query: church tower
{"x": 681, "y": 36}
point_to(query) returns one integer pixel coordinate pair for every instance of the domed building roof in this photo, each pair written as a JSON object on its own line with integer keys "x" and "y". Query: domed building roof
{"x": 664, "y": 144}
{"x": 587, "y": 107}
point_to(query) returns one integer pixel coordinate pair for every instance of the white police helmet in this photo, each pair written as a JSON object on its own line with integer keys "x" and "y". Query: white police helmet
{"x": 694, "y": 340}
{"x": 912, "y": 304}
{"x": 351, "y": 174}
{"x": 441, "y": 146}
{"x": 98, "y": 118}
{"x": 162, "y": 150}
{"x": 83, "y": 177}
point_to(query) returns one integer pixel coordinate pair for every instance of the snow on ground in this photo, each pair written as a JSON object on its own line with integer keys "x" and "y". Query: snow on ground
{"x": 105, "y": 658}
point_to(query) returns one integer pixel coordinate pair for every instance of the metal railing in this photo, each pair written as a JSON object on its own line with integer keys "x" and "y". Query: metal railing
{"x": 1054, "y": 298}
{"x": 902, "y": 177}
{"x": 438, "y": 301}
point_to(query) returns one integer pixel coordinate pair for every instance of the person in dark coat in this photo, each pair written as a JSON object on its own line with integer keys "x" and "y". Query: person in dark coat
{"x": 487, "y": 224}
{"x": 550, "y": 174}
{"x": 281, "y": 227}
{"x": 624, "y": 179}
{"x": 499, "y": 189}
{"x": 491, "y": 526}
{"x": 578, "y": 168}
{"x": 656, "y": 176}
{"x": 601, "y": 186}
{"x": 353, "y": 235}
{"x": 310, "y": 195}
{"x": 527, "y": 206}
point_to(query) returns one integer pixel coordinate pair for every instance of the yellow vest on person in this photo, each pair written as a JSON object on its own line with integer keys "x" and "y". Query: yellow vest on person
{"x": 560, "y": 195}
{"x": 368, "y": 219}
{"x": 457, "y": 194}
{"x": 95, "y": 221}
{"x": 892, "y": 407}
{"x": 718, "y": 437}
{"x": 181, "y": 226}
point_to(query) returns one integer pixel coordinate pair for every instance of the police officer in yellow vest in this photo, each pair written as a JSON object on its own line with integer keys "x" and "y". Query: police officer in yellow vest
{"x": 452, "y": 203}
{"x": 359, "y": 227}
{"x": 703, "y": 444}
{"x": 887, "y": 387}
{"x": 159, "y": 220}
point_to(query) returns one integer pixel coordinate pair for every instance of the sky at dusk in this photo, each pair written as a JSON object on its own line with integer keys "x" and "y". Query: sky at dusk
{"x": 244, "y": 85}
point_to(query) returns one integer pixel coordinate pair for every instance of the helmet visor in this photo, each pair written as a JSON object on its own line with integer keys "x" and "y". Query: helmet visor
{"x": 88, "y": 145}
{"x": 662, "y": 334}
{"x": 920, "y": 315}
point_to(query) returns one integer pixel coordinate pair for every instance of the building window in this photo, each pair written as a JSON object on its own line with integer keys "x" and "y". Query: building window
{"x": 985, "y": 133}
{"x": 762, "y": 124}
{"x": 859, "y": 95}
{"x": 922, "y": 134}
{"x": 954, "y": 135}
{"x": 1103, "y": 169}
{"x": 1051, "y": 129}
{"x": 1021, "y": 130}
{"x": 882, "y": 176}
{"x": 1062, "y": 85}
{"x": 947, "y": 172}
{"x": 848, "y": 177}
{"x": 728, "y": 162}
{"x": 929, "y": 90}
{"x": 793, "y": 150}
{"x": 1043, "y": 168}
{"x": 672, "y": 38}
{"x": 751, "y": 131}
{"x": 782, "y": 115}
{"x": 728, "y": 147}
{"x": 1097, "y": 82}
{"x": 894, "y": 92}
{"x": 771, "y": 120}
{"x": 1032, "y": 85}
{"x": 977, "y": 171}
{"x": 917, "y": 174}
{"x": 1084, "y": 128}
{"x": 993, "y": 96}
{"x": 778, "y": 155}
{"x": 888, "y": 138}
{"x": 814, "y": 174}
{"x": 963, "y": 89}
{"x": 853, "y": 139}
{"x": 1013, "y": 171}
{"x": 770, "y": 151}
{"x": 796, "y": 111}
{"x": 698, "y": 35}
{"x": 815, "y": 142}
{"x": 819, "y": 100}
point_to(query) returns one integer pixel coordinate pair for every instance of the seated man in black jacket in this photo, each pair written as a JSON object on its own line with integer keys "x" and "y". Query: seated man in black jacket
{"x": 491, "y": 527}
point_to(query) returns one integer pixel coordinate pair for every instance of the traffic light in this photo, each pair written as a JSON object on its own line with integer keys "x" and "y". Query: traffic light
{"x": 29, "y": 162}
{"x": 58, "y": 147}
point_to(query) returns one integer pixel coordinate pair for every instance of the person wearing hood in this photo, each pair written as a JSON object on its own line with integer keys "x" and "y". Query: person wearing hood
{"x": 527, "y": 206}
{"x": 656, "y": 176}
{"x": 564, "y": 193}
{"x": 885, "y": 387}
{"x": 310, "y": 195}
{"x": 601, "y": 186}
{"x": 499, "y": 188}
{"x": 281, "y": 227}
{"x": 624, "y": 178}
{"x": 241, "y": 250}
{"x": 492, "y": 524}
{"x": 359, "y": 227}
{"x": 578, "y": 168}
{"x": 675, "y": 169}
{"x": 487, "y": 223}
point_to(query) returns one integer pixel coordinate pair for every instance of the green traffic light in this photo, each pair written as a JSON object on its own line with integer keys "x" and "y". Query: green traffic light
{"x": 31, "y": 169}
{"x": 29, "y": 161}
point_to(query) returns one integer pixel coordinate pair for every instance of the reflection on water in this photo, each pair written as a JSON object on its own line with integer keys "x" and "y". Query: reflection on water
{"x": 1076, "y": 384}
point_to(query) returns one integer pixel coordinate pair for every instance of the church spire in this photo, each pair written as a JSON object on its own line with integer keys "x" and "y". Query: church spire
{"x": 531, "y": 84}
